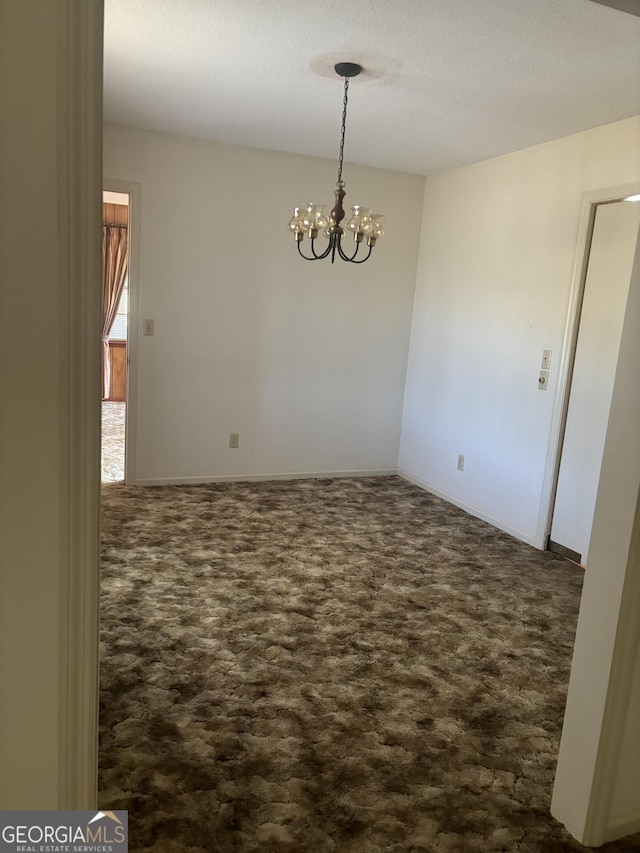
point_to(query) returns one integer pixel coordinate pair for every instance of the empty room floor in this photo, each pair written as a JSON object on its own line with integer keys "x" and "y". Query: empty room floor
{"x": 329, "y": 665}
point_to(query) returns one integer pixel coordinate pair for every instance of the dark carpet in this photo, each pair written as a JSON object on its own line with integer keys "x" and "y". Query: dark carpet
{"x": 346, "y": 665}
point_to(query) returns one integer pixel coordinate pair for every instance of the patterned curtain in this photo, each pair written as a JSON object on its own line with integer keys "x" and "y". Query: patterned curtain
{"x": 114, "y": 275}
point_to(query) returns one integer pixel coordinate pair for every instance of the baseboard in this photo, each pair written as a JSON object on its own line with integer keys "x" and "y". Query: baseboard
{"x": 563, "y": 551}
{"x": 472, "y": 510}
{"x": 618, "y": 827}
{"x": 250, "y": 478}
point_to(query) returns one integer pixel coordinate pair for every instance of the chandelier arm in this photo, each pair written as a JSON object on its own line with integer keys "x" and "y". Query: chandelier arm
{"x": 352, "y": 259}
{"x": 315, "y": 256}
{"x": 324, "y": 254}
{"x": 366, "y": 257}
{"x": 302, "y": 255}
{"x": 346, "y": 257}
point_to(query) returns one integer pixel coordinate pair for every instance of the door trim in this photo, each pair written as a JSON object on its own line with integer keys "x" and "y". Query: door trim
{"x": 607, "y": 641}
{"x": 134, "y": 191}
{"x": 80, "y": 37}
{"x": 590, "y": 202}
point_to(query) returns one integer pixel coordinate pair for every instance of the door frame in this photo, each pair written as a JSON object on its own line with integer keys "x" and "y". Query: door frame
{"x": 589, "y": 205}
{"x": 134, "y": 191}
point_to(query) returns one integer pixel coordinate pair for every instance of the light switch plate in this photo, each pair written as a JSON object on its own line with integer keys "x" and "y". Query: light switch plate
{"x": 546, "y": 359}
{"x": 148, "y": 327}
{"x": 543, "y": 380}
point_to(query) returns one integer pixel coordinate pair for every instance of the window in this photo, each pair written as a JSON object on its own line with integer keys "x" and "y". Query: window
{"x": 119, "y": 328}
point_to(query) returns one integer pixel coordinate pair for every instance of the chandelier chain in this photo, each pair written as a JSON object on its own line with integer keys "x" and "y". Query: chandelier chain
{"x": 343, "y": 129}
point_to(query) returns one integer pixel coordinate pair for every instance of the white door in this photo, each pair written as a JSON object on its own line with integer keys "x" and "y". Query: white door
{"x": 605, "y": 297}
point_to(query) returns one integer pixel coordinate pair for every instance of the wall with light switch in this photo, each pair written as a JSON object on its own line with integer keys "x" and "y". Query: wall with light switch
{"x": 497, "y": 251}
{"x": 251, "y": 361}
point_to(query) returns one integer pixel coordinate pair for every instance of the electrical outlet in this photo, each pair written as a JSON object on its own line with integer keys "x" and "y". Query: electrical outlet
{"x": 460, "y": 462}
{"x": 234, "y": 440}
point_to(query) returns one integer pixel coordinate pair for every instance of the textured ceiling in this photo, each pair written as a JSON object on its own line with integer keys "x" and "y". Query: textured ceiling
{"x": 447, "y": 82}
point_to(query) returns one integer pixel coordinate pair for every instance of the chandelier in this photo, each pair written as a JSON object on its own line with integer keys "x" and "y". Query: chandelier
{"x": 310, "y": 219}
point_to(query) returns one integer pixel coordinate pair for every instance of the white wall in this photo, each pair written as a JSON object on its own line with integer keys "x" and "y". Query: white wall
{"x": 305, "y": 360}
{"x": 494, "y": 276}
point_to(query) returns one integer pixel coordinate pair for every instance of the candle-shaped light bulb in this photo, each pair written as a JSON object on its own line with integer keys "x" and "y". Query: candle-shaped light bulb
{"x": 354, "y": 223}
{"x": 321, "y": 218}
{"x": 295, "y": 223}
{"x": 376, "y": 225}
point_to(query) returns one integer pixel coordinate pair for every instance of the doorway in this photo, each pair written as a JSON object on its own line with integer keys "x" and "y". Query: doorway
{"x": 115, "y": 356}
{"x": 609, "y": 254}
{"x": 119, "y": 408}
